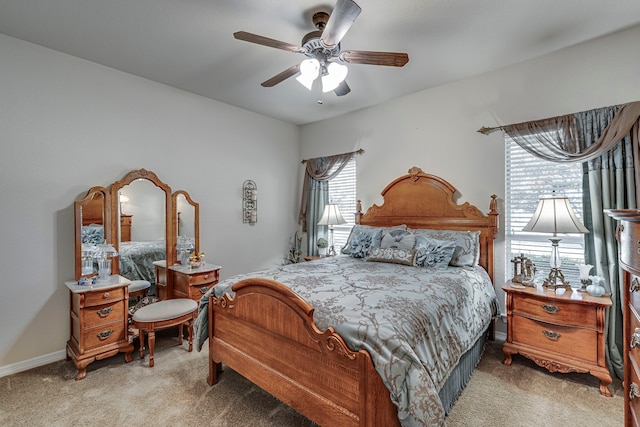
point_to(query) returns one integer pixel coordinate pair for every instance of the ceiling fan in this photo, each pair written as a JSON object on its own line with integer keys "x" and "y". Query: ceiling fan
{"x": 322, "y": 47}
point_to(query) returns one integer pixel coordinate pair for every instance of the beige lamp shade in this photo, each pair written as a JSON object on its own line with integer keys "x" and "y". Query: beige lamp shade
{"x": 331, "y": 215}
{"x": 555, "y": 215}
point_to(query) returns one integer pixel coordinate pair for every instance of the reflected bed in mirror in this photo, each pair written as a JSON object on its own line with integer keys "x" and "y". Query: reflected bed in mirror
{"x": 142, "y": 228}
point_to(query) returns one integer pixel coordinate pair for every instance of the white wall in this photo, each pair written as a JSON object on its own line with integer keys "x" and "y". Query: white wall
{"x": 68, "y": 124}
{"x": 436, "y": 129}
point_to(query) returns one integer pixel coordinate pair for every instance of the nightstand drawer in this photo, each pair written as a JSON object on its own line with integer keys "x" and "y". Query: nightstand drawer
{"x": 103, "y": 335}
{"x": 103, "y": 297}
{"x": 105, "y": 313}
{"x": 571, "y": 341}
{"x": 557, "y": 312}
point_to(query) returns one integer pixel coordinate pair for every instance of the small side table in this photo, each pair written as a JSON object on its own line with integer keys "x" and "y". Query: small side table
{"x": 562, "y": 333}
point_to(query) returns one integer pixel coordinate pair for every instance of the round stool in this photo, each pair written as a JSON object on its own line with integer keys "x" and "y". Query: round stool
{"x": 163, "y": 314}
{"x": 138, "y": 288}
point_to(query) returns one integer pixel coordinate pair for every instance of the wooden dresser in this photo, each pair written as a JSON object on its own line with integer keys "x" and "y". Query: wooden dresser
{"x": 99, "y": 322}
{"x": 628, "y": 233}
{"x": 560, "y": 333}
{"x": 185, "y": 282}
{"x": 125, "y": 228}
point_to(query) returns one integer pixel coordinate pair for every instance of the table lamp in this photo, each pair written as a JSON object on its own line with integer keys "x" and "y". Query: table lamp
{"x": 555, "y": 215}
{"x": 331, "y": 216}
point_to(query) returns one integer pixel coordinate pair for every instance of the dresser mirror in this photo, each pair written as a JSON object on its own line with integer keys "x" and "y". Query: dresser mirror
{"x": 186, "y": 214}
{"x": 141, "y": 222}
{"x": 92, "y": 227}
{"x": 141, "y": 218}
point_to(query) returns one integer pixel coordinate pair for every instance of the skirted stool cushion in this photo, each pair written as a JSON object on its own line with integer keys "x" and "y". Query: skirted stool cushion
{"x": 163, "y": 314}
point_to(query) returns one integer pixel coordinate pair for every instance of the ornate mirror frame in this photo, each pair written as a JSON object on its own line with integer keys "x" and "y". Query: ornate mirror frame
{"x": 132, "y": 176}
{"x": 94, "y": 208}
{"x": 176, "y": 219}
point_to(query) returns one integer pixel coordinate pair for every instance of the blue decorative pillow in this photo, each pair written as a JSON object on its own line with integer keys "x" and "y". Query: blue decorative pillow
{"x": 467, "y": 251}
{"x": 433, "y": 253}
{"x": 93, "y": 234}
{"x": 360, "y": 244}
{"x": 376, "y": 237}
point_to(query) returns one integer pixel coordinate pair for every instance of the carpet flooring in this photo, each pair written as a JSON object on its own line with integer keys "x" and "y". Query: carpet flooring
{"x": 175, "y": 393}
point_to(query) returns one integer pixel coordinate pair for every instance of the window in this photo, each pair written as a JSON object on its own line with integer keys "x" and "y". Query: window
{"x": 527, "y": 179}
{"x": 342, "y": 191}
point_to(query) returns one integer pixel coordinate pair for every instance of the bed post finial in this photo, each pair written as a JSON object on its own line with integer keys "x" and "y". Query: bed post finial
{"x": 414, "y": 172}
{"x": 358, "y": 211}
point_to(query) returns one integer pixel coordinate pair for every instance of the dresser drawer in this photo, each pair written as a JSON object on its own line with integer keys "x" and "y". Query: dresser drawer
{"x": 556, "y": 311}
{"x": 183, "y": 282}
{"x": 105, "y": 313}
{"x": 571, "y": 341}
{"x": 634, "y": 385}
{"x": 196, "y": 292}
{"x": 103, "y": 297}
{"x": 102, "y": 335}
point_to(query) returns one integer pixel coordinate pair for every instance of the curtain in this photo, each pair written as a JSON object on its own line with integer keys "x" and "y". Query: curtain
{"x": 315, "y": 195}
{"x": 606, "y": 141}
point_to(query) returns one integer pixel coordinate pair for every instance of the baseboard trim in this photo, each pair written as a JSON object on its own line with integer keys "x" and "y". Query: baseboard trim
{"x": 25, "y": 365}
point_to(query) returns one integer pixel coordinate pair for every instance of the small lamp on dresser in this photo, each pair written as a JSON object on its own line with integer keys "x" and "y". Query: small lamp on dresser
{"x": 331, "y": 216}
{"x": 555, "y": 215}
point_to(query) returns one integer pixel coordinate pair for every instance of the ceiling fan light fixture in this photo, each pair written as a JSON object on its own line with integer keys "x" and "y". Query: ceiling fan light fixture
{"x": 309, "y": 70}
{"x": 336, "y": 73}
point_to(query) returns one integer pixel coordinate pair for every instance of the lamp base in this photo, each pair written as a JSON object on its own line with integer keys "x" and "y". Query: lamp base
{"x": 551, "y": 282}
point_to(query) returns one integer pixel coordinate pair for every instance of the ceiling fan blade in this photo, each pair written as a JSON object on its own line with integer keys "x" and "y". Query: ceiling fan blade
{"x": 266, "y": 41}
{"x": 342, "y": 89}
{"x": 390, "y": 59}
{"x": 289, "y": 72}
{"x": 342, "y": 17}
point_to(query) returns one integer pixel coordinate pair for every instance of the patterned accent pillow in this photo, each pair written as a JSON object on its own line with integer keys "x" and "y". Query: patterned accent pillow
{"x": 433, "y": 253}
{"x": 360, "y": 244}
{"x": 376, "y": 237}
{"x": 467, "y": 253}
{"x": 399, "y": 239}
{"x": 391, "y": 255}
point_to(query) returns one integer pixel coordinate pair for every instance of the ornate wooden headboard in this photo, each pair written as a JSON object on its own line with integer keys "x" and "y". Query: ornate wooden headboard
{"x": 420, "y": 200}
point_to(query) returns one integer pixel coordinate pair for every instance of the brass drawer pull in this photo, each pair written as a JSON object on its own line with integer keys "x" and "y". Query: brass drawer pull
{"x": 635, "y": 339}
{"x": 105, "y": 295}
{"x": 105, "y": 334}
{"x": 635, "y": 285}
{"x": 105, "y": 311}
{"x": 206, "y": 276}
{"x": 634, "y": 391}
{"x": 553, "y": 336}
{"x": 551, "y": 309}
{"x": 203, "y": 290}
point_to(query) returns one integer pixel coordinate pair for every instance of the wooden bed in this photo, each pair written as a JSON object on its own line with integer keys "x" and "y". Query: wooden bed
{"x": 267, "y": 333}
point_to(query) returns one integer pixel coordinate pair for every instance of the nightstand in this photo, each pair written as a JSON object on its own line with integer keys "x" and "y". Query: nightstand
{"x": 312, "y": 257}
{"x": 560, "y": 333}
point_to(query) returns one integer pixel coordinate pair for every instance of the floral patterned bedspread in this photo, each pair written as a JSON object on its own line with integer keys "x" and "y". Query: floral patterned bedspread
{"x": 414, "y": 322}
{"x": 136, "y": 259}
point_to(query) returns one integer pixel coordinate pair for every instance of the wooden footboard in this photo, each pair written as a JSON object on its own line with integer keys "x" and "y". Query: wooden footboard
{"x": 266, "y": 333}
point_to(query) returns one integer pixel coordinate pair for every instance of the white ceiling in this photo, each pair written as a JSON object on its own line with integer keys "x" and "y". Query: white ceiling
{"x": 189, "y": 44}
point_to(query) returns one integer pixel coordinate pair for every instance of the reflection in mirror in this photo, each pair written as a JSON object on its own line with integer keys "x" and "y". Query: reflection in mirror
{"x": 141, "y": 229}
{"x": 186, "y": 215}
{"x": 91, "y": 228}
{"x": 141, "y": 206}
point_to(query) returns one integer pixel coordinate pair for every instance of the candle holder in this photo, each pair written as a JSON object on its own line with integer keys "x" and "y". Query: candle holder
{"x": 584, "y": 276}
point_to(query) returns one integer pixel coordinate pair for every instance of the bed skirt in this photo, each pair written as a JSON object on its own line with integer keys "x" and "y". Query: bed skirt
{"x": 461, "y": 375}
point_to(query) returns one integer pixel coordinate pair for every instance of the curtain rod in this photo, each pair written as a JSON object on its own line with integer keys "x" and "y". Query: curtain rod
{"x": 360, "y": 151}
{"x": 486, "y": 131}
